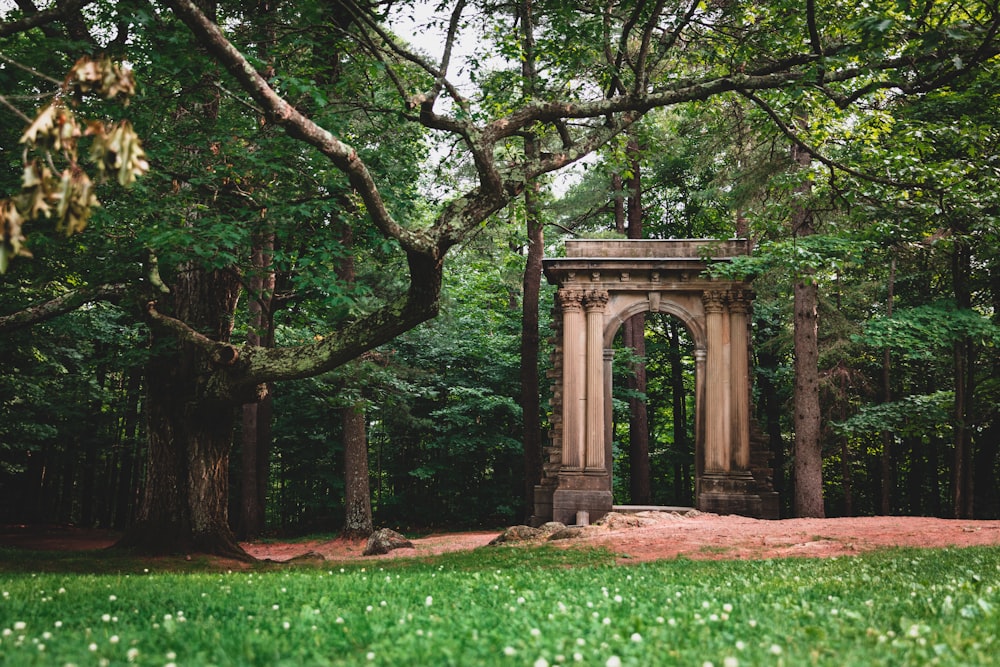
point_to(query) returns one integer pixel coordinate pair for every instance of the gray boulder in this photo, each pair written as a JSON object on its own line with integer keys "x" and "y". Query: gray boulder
{"x": 384, "y": 540}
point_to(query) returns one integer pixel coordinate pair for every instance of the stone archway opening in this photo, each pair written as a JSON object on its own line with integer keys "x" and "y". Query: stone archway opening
{"x": 667, "y": 471}
{"x": 601, "y": 285}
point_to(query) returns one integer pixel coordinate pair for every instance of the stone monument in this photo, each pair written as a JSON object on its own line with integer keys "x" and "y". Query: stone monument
{"x": 602, "y": 283}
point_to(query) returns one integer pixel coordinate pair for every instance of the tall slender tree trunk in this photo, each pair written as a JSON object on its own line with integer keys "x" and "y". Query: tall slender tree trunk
{"x": 888, "y": 437}
{"x": 634, "y": 335}
{"x": 357, "y": 498}
{"x": 256, "y": 427}
{"x": 808, "y": 451}
{"x": 964, "y": 373}
{"x": 530, "y": 398}
{"x": 682, "y": 447}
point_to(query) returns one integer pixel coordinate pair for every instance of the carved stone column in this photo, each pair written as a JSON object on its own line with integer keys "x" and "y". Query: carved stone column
{"x": 716, "y": 385}
{"x": 574, "y": 379}
{"x": 594, "y": 302}
{"x": 700, "y": 356}
{"x": 609, "y": 358}
{"x": 739, "y": 305}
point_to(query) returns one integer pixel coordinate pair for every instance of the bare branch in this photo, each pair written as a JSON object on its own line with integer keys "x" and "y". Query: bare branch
{"x": 61, "y": 12}
{"x": 816, "y": 155}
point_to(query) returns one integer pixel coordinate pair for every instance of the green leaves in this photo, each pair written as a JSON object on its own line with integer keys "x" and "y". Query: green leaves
{"x": 923, "y": 332}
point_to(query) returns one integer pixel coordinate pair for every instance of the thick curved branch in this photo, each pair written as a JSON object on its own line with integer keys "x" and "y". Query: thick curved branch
{"x": 419, "y": 304}
{"x": 60, "y": 305}
{"x": 221, "y": 354}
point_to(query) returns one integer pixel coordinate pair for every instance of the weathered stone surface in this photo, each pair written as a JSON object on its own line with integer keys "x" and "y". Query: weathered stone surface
{"x": 568, "y": 533}
{"x": 518, "y": 534}
{"x": 385, "y": 540}
{"x": 550, "y": 527}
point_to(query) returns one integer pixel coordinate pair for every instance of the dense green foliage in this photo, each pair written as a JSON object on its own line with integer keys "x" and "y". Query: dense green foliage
{"x": 519, "y": 606}
{"x": 351, "y": 203}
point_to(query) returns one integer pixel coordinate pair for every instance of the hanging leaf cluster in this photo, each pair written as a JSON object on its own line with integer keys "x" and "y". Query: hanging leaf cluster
{"x": 67, "y": 195}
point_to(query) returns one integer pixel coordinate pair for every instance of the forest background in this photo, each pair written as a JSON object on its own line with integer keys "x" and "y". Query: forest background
{"x": 322, "y": 307}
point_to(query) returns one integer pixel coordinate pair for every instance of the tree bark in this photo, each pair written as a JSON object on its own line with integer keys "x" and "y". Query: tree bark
{"x": 808, "y": 451}
{"x": 184, "y": 505}
{"x": 888, "y": 437}
{"x": 357, "y": 498}
{"x": 530, "y": 398}
{"x": 635, "y": 337}
{"x": 964, "y": 374}
{"x": 256, "y": 431}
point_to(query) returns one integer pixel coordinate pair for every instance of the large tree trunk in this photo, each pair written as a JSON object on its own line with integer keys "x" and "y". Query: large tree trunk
{"x": 185, "y": 503}
{"x": 357, "y": 498}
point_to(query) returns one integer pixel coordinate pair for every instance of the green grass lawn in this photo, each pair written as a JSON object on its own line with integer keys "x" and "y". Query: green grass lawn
{"x": 509, "y": 606}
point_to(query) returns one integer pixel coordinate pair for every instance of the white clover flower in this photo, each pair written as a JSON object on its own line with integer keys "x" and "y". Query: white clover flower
{"x": 740, "y": 644}
{"x": 509, "y": 651}
{"x": 286, "y": 625}
{"x": 58, "y": 624}
{"x": 20, "y": 625}
{"x": 707, "y": 663}
{"x": 41, "y": 647}
{"x": 112, "y": 597}
{"x": 577, "y": 657}
{"x": 106, "y": 618}
{"x": 370, "y": 655}
{"x": 613, "y": 661}
{"x": 275, "y": 607}
{"x": 636, "y": 637}
{"x": 606, "y": 621}
{"x": 114, "y": 639}
{"x": 535, "y": 632}
{"x": 775, "y": 649}
{"x": 171, "y": 656}
{"x": 728, "y": 608}
{"x": 92, "y": 647}
{"x": 132, "y": 654}
{"x": 730, "y": 661}
{"x": 520, "y": 600}
{"x": 541, "y": 662}
{"x": 429, "y": 601}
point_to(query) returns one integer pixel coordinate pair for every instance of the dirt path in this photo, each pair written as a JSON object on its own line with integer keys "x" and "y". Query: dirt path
{"x": 640, "y": 537}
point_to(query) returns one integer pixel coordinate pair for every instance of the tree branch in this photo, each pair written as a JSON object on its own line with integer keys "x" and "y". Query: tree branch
{"x": 60, "y": 305}
{"x": 221, "y": 354}
{"x": 816, "y": 155}
{"x": 280, "y": 112}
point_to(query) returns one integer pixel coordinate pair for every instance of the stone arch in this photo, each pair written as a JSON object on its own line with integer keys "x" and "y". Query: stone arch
{"x": 693, "y": 323}
{"x": 602, "y": 284}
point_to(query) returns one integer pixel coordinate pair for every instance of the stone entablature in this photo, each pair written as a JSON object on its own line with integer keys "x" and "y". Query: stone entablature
{"x": 602, "y": 283}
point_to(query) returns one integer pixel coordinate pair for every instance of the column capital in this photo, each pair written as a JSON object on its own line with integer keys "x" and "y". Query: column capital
{"x": 714, "y": 300}
{"x": 595, "y": 300}
{"x": 739, "y": 300}
{"x": 570, "y": 299}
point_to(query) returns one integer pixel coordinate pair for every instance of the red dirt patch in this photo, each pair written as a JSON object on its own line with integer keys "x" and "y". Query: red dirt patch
{"x": 641, "y": 537}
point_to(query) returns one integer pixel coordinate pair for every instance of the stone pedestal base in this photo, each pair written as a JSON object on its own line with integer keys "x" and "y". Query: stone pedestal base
{"x": 732, "y": 493}
{"x": 543, "y": 505}
{"x": 581, "y": 492}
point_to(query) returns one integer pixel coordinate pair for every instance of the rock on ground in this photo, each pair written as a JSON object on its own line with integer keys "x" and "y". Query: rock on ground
{"x": 384, "y": 540}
